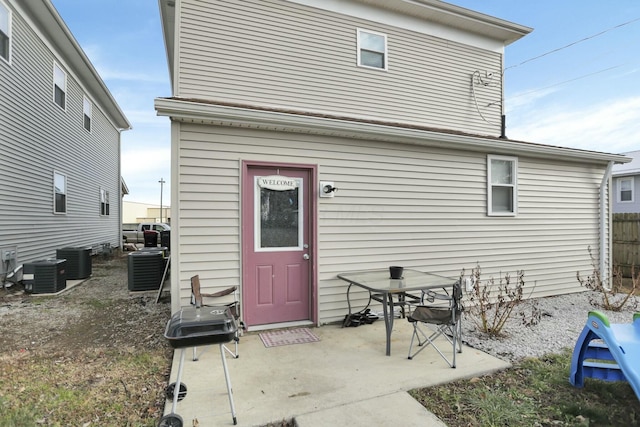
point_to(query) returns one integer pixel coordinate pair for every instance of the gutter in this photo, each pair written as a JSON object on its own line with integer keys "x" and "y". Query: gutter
{"x": 604, "y": 221}
{"x": 200, "y": 111}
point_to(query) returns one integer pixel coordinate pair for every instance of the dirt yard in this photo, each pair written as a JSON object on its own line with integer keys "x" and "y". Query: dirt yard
{"x": 92, "y": 355}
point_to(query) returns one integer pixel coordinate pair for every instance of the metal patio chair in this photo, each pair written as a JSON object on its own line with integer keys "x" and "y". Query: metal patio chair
{"x": 197, "y": 300}
{"x": 439, "y": 314}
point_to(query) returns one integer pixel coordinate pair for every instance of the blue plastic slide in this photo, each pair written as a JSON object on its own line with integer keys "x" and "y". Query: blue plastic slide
{"x": 609, "y": 352}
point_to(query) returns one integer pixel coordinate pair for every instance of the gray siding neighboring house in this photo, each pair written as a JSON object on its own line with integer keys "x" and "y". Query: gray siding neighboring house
{"x": 626, "y": 185}
{"x": 412, "y": 142}
{"x": 59, "y": 139}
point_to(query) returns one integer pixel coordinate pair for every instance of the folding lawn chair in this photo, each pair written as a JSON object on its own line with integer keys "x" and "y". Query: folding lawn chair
{"x": 440, "y": 317}
{"x": 197, "y": 300}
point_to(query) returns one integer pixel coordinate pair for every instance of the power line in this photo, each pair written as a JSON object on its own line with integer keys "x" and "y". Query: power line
{"x": 574, "y": 43}
{"x": 563, "y": 82}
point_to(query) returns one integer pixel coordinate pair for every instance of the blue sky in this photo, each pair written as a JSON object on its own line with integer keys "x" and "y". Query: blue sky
{"x": 123, "y": 40}
{"x": 583, "y": 96}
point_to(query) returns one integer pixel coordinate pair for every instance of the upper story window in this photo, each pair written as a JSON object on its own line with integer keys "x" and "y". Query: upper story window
{"x": 502, "y": 185}
{"x": 59, "y": 193}
{"x": 372, "y": 49}
{"x": 104, "y": 202}
{"x": 87, "y": 108}
{"x": 5, "y": 31}
{"x": 59, "y": 86}
{"x": 625, "y": 189}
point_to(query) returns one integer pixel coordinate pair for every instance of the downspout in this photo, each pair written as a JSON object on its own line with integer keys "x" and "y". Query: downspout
{"x": 604, "y": 219}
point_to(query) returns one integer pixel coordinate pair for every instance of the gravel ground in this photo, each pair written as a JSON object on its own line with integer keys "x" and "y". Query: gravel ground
{"x": 561, "y": 321}
{"x": 99, "y": 313}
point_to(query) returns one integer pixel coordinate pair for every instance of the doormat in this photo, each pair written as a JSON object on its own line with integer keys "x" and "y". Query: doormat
{"x": 287, "y": 337}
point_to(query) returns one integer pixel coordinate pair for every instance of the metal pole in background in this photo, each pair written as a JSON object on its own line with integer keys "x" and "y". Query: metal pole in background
{"x": 162, "y": 181}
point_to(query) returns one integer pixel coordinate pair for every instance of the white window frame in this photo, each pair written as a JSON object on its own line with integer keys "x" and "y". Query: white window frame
{"x": 632, "y": 189}
{"x": 257, "y": 225}
{"x": 360, "y": 48}
{"x": 57, "y": 82}
{"x": 513, "y": 185}
{"x": 105, "y": 209}
{"x": 87, "y": 112}
{"x": 4, "y": 7}
{"x": 56, "y": 192}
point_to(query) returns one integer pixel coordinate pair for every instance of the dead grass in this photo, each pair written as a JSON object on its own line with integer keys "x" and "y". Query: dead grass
{"x": 92, "y": 387}
{"x": 92, "y": 356}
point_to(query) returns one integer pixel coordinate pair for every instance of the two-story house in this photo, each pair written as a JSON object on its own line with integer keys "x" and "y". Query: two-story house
{"x": 59, "y": 140}
{"x": 315, "y": 137}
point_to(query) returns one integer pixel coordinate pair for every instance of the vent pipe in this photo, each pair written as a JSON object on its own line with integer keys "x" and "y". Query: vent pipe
{"x": 503, "y": 126}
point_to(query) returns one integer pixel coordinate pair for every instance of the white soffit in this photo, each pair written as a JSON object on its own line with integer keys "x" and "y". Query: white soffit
{"x": 432, "y": 17}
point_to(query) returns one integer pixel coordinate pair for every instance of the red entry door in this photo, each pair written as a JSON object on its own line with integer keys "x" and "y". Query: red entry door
{"x": 276, "y": 264}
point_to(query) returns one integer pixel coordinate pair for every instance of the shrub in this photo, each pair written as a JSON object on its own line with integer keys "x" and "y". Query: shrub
{"x": 612, "y": 298}
{"x": 492, "y": 304}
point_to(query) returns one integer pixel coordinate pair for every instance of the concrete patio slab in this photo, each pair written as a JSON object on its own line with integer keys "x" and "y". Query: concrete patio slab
{"x": 344, "y": 379}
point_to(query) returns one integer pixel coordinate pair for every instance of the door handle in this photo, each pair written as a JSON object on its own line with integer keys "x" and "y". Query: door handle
{"x": 305, "y": 256}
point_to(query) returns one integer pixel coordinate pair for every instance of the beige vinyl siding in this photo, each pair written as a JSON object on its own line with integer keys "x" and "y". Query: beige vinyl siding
{"x": 414, "y": 206}
{"x": 281, "y": 54}
{"x": 38, "y": 138}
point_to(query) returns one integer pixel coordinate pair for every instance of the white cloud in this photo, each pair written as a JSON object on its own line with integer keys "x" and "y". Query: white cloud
{"x": 149, "y": 118}
{"x": 142, "y": 168}
{"x": 611, "y": 127}
{"x": 527, "y": 98}
{"x": 128, "y": 72}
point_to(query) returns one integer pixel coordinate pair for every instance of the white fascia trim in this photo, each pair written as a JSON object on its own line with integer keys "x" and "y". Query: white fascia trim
{"x": 221, "y": 115}
{"x": 628, "y": 172}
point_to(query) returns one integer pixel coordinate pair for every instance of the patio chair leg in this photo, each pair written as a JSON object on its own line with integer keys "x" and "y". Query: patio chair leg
{"x": 429, "y": 341}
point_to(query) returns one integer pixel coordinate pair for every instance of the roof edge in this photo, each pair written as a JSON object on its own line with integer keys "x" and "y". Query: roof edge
{"x": 47, "y": 16}
{"x": 223, "y": 114}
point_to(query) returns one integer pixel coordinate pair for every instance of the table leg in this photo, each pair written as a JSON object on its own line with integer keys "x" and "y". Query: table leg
{"x": 387, "y": 304}
{"x": 347, "y": 318}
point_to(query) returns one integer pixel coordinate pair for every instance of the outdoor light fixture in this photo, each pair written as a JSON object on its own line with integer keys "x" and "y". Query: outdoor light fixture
{"x": 327, "y": 189}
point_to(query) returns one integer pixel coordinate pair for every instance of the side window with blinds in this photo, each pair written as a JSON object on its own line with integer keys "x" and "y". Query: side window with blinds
{"x": 87, "y": 110}
{"x": 372, "y": 49}
{"x": 59, "y": 86}
{"x": 104, "y": 202}
{"x": 625, "y": 190}
{"x": 5, "y": 31}
{"x": 502, "y": 189}
{"x": 59, "y": 193}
